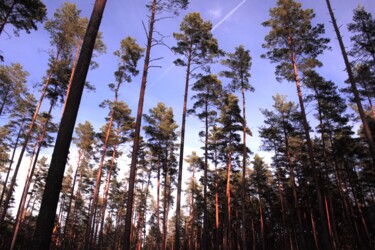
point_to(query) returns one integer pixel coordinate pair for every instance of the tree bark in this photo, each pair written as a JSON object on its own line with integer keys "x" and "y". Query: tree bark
{"x": 181, "y": 161}
{"x": 134, "y": 161}
{"x": 45, "y": 221}
{"x": 366, "y": 127}
{"x": 28, "y": 180}
{"x": 27, "y": 137}
{"x": 325, "y": 234}
{"x": 244, "y": 157}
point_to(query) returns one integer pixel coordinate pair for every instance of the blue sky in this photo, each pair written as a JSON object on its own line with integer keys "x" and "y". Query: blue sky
{"x": 236, "y": 22}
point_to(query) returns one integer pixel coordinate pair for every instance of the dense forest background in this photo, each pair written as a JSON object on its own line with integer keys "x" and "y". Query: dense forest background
{"x": 275, "y": 148}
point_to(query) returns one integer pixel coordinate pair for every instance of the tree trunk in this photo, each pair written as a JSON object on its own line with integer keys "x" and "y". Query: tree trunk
{"x": 294, "y": 187}
{"x": 181, "y": 161}
{"x": 229, "y": 225}
{"x": 261, "y": 224}
{"x": 4, "y": 99}
{"x": 134, "y": 160}
{"x": 12, "y": 158}
{"x": 99, "y": 174}
{"x": 72, "y": 74}
{"x": 244, "y": 157}
{"x": 28, "y": 180}
{"x": 366, "y": 128}
{"x": 27, "y": 137}
{"x": 158, "y": 201}
{"x": 105, "y": 196}
{"x": 217, "y": 224}
{"x": 45, "y": 221}
{"x": 65, "y": 240}
{"x": 325, "y": 234}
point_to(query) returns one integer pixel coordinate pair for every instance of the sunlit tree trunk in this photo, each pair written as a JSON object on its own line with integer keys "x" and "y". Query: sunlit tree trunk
{"x": 357, "y": 98}
{"x": 325, "y": 234}
{"x": 27, "y": 137}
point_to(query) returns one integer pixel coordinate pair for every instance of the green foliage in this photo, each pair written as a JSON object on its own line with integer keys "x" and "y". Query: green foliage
{"x": 239, "y": 64}
{"x": 85, "y": 137}
{"x": 363, "y": 39}
{"x": 64, "y": 26}
{"x": 293, "y": 38}
{"x": 22, "y": 15}
{"x": 12, "y": 86}
{"x": 196, "y": 42}
{"x": 128, "y": 55}
{"x": 208, "y": 93}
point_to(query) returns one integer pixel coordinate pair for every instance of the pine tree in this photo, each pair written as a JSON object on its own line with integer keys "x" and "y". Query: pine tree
{"x": 43, "y": 231}
{"x": 22, "y": 15}
{"x": 157, "y": 9}
{"x": 231, "y": 124}
{"x": 239, "y": 64}
{"x": 161, "y": 130}
{"x": 295, "y": 43}
{"x": 129, "y": 54}
{"x": 197, "y": 44}
{"x": 363, "y": 38}
{"x": 12, "y": 86}
{"x": 365, "y": 123}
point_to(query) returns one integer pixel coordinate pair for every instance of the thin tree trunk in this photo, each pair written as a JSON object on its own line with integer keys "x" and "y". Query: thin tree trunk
{"x": 366, "y": 128}
{"x": 158, "y": 200}
{"x": 253, "y": 234}
{"x": 4, "y": 99}
{"x": 12, "y": 158}
{"x": 105, "y": 195}
{"x": 71, "y": 201}
{"x": 294, "y": 187}
{"x": 24, "y": 194}
{"x": 134, "y": 160}
{"x": 314, "y": 230}
{"x": 143, "y": 219}
{"x": 329, "y": 223}
{"x": 45, "y": 221}
{"x": 261, "y": 224}
{"x": 229, "y": 225}
{"x": 72, "y": 74}
{"x": 165, "y": 212}
{"x": 325, "y": 234}
{"x": 27, "y": 137}
{"x": 244, "y": 157}
{"x": 217, "y": 224}
{"x": 28, "y": 180}
{"x": 99, "y": 174}
{"x": 181, "y": 161}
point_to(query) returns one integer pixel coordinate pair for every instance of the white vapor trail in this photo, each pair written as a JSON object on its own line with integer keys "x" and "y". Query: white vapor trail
{"x": 229, "y": 14}
{"x": 213, "y": 29}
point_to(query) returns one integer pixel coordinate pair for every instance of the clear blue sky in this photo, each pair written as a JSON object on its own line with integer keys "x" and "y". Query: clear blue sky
{"x": 236, "y": 22}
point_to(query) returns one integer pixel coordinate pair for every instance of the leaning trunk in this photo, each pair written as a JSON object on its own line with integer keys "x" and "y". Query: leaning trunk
{"x": 27, "y": 137}
{"x": 45, "y": 221}
{"x": 366, "y": 128}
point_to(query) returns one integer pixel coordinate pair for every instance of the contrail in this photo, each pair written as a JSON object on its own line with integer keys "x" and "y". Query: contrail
{"x": 213, "y": 29}
{"x": 228, "y": 15}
